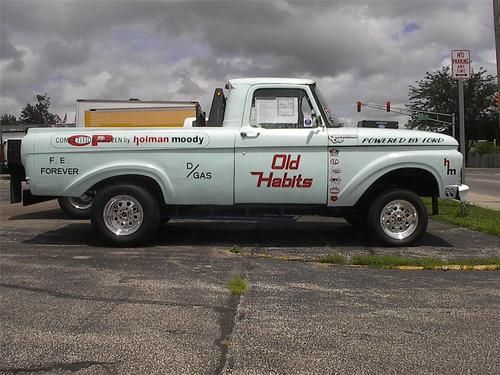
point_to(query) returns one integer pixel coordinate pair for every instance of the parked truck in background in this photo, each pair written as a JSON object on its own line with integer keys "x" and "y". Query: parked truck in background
{"x": 270, "y": 144}
{"x": 137, "y": 113}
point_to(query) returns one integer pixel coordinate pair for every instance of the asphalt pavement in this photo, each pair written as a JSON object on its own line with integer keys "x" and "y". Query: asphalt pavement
{"x": 70, "y": 305}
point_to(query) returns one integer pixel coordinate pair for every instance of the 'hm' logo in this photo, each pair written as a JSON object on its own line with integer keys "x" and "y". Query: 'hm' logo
{"x": 449, "y": 171}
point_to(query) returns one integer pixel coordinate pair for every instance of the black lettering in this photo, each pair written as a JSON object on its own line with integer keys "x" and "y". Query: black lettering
{"x": 59, "y": 171}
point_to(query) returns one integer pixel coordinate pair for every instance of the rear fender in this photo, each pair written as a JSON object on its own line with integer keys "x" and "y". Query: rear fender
{"x": 93, "y": 177}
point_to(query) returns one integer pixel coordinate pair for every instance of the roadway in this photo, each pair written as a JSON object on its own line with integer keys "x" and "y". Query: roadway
{"x": 484, "y": 186}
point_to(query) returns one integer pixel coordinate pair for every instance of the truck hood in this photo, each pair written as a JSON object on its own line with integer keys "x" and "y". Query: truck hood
{"x": 400, "y": 137}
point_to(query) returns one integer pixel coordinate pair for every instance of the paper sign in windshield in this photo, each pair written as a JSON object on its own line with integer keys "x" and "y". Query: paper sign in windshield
{"x": 281, "y": 110}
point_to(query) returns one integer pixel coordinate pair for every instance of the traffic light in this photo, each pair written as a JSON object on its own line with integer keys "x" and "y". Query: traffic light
{"x": 388, "y": 106}
{"x": 358, "y": 106}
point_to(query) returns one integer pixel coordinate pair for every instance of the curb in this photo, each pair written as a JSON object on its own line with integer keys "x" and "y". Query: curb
{"x": 453, "y": 267}
{"x": 410, "y": 268}
{"x": 444, "y": 267}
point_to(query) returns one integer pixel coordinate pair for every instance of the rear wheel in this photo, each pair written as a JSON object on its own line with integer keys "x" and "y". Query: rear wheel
{"x": 77, "y": 207}
{"x": 398, "y": 217}
{"x": 125, "y": 214}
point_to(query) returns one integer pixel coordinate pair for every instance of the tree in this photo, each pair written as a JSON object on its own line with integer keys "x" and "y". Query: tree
{"x": 38, "y": 113}
{"x": 7, "y": 119}
{"x": 438, "y": 92}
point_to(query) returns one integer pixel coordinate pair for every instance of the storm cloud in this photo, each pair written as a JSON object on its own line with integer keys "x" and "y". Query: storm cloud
{"x": 182, "y": 50}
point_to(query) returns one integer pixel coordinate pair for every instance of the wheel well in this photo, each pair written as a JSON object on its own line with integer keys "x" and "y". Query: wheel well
{"x": 417, "y": 180}
{"x": 143, "y": 181}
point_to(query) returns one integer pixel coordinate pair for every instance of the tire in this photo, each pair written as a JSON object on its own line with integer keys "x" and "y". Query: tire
{"x": 77, "y": 208}
{"x": 398, "y": 217}
{"x": 139, "y": 214}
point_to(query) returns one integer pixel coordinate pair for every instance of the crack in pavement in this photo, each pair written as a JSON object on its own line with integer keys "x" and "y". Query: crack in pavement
{"x": 71, "y": 366}
{"x": 106, "y": 299}
{"x": 228, "y": 318}
{"x": 227, "y": 321}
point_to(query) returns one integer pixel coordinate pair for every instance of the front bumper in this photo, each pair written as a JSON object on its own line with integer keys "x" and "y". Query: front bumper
{"x": 459, "y": 192}
{"x": 463, "y": 193}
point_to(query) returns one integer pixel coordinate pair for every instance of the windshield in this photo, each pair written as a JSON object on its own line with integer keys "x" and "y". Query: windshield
{"x": 330, "y": 116}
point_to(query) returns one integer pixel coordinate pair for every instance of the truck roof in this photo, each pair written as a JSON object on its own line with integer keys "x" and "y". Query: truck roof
{"x": 270, "y": 80}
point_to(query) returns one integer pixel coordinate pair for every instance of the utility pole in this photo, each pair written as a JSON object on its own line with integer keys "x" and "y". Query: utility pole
{"x": 461, "y": 126}
{"x": 460, "y": 71}
{"x": 496, "y": 16}
{"x": 496, "y": 23}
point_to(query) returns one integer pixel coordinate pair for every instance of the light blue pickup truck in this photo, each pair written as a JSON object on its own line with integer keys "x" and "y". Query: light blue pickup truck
{"x": 269, "y": 144}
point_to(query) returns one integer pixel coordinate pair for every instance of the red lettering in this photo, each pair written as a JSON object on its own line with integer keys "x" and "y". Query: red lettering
{"x": 262, "y": 179}
{"x": 307, "y": 183}
{"x": 276, "y": 182}
{"x": 287, "y": 181}
{"x": 281, "y": 159}
{"x": 299, "y": 181}
{"x": 101, "y": 139}
{"x": 282, "y": 182}
{"x": 293, "y": 164}
{"x": 283, "y": 162}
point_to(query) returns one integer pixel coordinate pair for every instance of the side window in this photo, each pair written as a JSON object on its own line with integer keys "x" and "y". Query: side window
{"x": 281, "y": 109}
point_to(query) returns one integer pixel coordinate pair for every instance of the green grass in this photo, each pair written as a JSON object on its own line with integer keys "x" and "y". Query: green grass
{"x": 235, "y": 249}
{"x": 387, "y": 261}
{"x": 390, "y": 261}
{"x": 473, "y": 217}
{"x": 237, "y": 285}
{"x": 332, "y": 259}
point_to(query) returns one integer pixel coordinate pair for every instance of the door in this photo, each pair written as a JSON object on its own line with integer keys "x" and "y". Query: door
{"x": 281, "y": 151}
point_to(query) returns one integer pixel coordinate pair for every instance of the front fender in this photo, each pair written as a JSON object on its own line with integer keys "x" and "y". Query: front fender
{"x": 362, "y": 179}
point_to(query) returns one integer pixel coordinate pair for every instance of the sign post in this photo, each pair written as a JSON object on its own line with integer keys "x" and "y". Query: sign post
{"x": 460, "y": 70}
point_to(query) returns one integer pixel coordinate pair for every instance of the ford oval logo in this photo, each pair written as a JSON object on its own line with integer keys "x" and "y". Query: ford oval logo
{"x": 79, "y": 140}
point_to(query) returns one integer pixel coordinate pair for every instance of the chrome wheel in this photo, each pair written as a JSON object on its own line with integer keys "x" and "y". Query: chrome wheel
{"x": 123, "y": 215}
{"x": 399, "y": 219}
{"x": 83, "y": 202}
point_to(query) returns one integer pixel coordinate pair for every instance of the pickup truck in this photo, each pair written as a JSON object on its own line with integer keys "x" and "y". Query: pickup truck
{"x": 269, "y": 145}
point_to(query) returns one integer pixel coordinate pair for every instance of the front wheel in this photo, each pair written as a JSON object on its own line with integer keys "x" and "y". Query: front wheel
{"x": 125, "y": 214}
{"x": 398, "y": 217}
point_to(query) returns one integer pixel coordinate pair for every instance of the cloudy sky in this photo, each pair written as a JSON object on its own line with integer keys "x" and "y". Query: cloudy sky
{"x": 182, "y": 50}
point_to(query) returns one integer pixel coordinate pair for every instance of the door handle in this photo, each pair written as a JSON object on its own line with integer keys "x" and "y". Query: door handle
{"x": 249, "y": 134}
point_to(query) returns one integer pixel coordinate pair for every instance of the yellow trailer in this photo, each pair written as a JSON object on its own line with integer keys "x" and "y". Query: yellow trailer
{"x": 137, "y": 113}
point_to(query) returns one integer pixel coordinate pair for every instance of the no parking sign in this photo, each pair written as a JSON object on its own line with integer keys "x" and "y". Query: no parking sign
{"x": 460, "y": 64}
